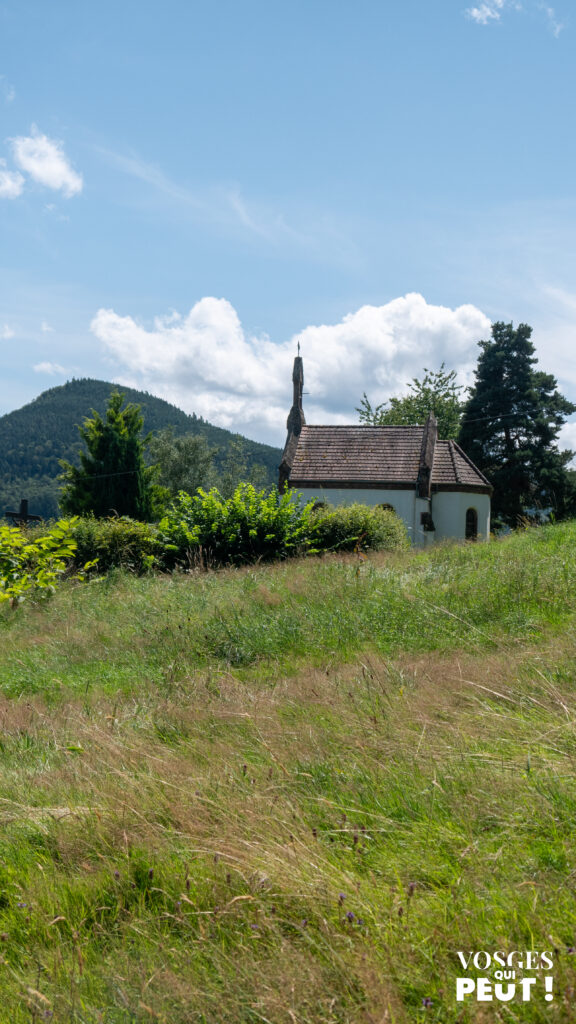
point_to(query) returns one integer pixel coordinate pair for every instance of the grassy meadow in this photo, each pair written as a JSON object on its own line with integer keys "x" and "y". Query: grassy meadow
{"x": 289, "y": 794}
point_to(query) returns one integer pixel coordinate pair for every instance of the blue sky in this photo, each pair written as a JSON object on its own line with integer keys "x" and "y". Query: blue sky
{"x": 186, "y": 188}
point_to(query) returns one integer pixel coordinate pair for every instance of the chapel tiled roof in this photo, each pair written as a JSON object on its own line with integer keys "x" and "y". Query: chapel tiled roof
{"x": 452, "y": 466}
{"x": 376, "y": 456}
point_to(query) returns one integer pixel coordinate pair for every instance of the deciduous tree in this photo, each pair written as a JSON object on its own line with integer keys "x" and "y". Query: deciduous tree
{"x": 183, "y": 463}
{"x": 437, "y": 392}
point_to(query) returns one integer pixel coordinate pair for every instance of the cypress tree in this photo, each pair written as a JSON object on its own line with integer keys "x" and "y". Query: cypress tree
{"x": 112, "y": 477}
{"x": 510, "y": 427}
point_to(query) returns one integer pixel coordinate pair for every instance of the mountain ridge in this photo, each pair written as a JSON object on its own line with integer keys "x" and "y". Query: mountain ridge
{"x": 35, "y": 437}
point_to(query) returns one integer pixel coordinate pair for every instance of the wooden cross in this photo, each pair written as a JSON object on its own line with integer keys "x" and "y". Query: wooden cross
{"x": 22, "y": 517}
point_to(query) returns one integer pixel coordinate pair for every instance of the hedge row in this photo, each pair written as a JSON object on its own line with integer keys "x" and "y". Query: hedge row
{"x": 208, "y": 530}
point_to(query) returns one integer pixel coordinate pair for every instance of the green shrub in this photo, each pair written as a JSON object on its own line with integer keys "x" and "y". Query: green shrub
{"x": 33, "y": 566}
{"x": 253, "y": 525}
{"x": 249, "y": 526}
{"x": 351, "y": 527}
{"x": 204, "y": 529}
{"x": 118, "y": 543}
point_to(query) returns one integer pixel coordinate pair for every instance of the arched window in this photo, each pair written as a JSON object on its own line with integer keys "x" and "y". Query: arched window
{"x": 471, "y": 524}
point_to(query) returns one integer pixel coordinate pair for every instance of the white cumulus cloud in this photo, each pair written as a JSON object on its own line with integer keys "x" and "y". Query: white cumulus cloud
{"x": 45, "y": 161}
{"x": 50, "y": 368}
{"x": 207, "y": 363}
{"x": 7, "y": 332}
{"x": 11, "y": 182}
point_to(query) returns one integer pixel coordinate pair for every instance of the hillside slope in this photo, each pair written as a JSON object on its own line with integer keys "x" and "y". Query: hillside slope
{"x": 34, "y": 438}
{"x": 291, "y": 793}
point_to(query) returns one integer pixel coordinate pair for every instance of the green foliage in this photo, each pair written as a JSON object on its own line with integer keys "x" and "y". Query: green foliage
{"x": 250, "y": 526}
{"x": 356, "y": 527}
{"x": 35, "y": 438}
{"x": 437, "y": 392}
{"x": 183, "y": 463}
{"x": 118, "y": 543}
{"x": 33, "y": 566}
{"x": 112, "y": 477}
{"x": 246, "y": 527}
{"x": 510, "y": 427}
{"x": 254, "y": 525}
{"x": 236, "y": 469}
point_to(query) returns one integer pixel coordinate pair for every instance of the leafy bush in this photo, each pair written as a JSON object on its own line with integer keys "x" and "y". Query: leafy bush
{"x": 254, "y": 525}
{"x": 33, "y": 566}
{"x": 118, "y": 543}
{"x": 351, "y": 527}
{"x": 249, "y": 526}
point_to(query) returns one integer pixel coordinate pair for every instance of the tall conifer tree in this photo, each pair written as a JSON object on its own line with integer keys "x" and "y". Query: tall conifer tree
{"x": 112, "y": 477}
{"x": 510, "y": 427}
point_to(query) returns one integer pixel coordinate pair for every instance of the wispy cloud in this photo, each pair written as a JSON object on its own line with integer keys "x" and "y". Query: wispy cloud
{"x": 136, "y": 167}
{"x": 490, "y": 11}
{"x": 7, "y": 91}
{"x": 222, "y": 204}
{"x": 554, "y": 24}
{"x": 7, "y": 332}
{"x": 44, "y": 160}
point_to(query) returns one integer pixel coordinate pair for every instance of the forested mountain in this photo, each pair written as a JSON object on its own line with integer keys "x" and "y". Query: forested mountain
{"x": 34, "y": 438}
